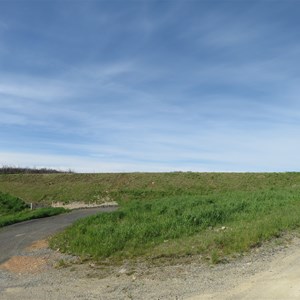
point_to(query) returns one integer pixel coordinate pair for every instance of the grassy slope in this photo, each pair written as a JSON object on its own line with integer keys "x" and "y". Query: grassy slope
{"x": 29, "y": 215}
{"x": 10, "y": 204}
{"x": 123, "y": 187}
{"x": 14, "y": 210}
{"x": 170, "y": 214}
{"x": 185, "y": 225}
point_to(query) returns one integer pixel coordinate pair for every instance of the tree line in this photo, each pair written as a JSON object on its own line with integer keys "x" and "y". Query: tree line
{"x": 20, "y": 170}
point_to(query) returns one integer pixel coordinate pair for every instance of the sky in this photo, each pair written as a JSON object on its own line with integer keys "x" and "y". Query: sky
{"x": 150, "y": 86}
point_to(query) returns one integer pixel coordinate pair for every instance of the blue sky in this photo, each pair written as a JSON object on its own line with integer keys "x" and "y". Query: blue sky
{"x": 121, "y": 86}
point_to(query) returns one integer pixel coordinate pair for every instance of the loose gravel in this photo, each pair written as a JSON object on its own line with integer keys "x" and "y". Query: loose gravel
{"x": 64, "y": 277}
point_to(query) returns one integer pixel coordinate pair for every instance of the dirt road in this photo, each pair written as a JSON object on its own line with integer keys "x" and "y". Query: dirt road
{"x": 280, "y": 279}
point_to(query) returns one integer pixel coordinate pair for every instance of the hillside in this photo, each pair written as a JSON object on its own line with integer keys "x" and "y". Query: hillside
{"x": 14, "y": 210}
{"x": 188, "y": 210}
{"x": 129, "y": 186}
{"x": 10, "y": 204}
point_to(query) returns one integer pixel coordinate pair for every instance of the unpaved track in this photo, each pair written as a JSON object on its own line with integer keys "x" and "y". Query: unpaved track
{"x": 14, "y": 238}
{"x": 269, "y": 272}
{"x": 279, "y": 280}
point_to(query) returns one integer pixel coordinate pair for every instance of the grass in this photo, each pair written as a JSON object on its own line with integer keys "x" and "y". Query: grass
{"x": 30, "y": 214}
{"x": 137, "y": 186}
{"x": 14, "y": 210}
{"x": 212, "y": 225}
{"x": 168, "y": 214}
{"x": 11, "y": 204}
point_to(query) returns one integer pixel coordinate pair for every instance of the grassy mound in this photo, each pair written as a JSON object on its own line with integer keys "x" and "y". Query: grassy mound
{"x": 137, "y": 186}
{"x": 14, "y": 210}
{"x": 29, "y": 215}
{"x": 11, "y": 204}
{"x": 215, "y": 225}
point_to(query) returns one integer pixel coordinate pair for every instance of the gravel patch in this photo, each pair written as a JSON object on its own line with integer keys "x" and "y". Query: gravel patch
{"x": 63, "y": 277}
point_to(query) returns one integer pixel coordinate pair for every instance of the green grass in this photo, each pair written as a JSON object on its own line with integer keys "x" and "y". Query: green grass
{"x": 14, "y": 210}
{"x": 169, "y": 214}
{"x": 185, "y": 225}
{"x": 30, "y": 214}
{"x": 137, "y": 186}
{"x": 11, "y": 204}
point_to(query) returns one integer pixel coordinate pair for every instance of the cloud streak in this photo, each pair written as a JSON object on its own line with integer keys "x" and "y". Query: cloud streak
{"x": 150, "y": 87}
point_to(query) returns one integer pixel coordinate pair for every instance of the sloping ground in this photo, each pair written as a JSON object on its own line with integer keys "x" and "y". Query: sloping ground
{"x": 123, "y": 187}
{"x": 10, "y": 204}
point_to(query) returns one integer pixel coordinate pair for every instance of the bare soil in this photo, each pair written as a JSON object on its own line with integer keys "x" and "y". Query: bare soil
{"x": 40, "y": 244}
{"x": 24, "y": 264}
{"x": 81, "y": 204}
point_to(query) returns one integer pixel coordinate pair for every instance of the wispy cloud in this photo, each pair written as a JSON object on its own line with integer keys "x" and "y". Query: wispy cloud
{"x": 177, "y": 86}
{"x": 33, "y": 87}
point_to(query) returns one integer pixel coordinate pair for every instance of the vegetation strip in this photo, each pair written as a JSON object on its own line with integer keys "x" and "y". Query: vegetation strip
{"x": 14, "y": 210}
{"x": 215, "y": 226}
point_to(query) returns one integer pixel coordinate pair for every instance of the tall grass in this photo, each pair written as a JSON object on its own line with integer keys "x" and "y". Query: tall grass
{"x": 26, "y": 215}
{"x": 181, "y": 225}
{"x": 11, "y": 204}
{"x": 14, "y": 210}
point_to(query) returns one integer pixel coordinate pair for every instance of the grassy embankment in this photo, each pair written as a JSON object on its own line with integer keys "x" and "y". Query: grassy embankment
{"x": 14, "y": 210}
{"x": 167, "y": 215}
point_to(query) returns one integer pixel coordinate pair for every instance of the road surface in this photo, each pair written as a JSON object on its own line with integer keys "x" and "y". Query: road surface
{"x": 279, "y": 280}
{"x": 16, "y": 237}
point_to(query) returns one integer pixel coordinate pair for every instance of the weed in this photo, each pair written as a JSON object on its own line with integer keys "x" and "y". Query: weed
{"x": 214, "y": 258}
{"x": 62, "y": 264}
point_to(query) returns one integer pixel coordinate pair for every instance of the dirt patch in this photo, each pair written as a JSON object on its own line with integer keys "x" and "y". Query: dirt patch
{"x": 38, "y": 245}
{"x": 78, "y": 205}
{"x": 24, "y": 264}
